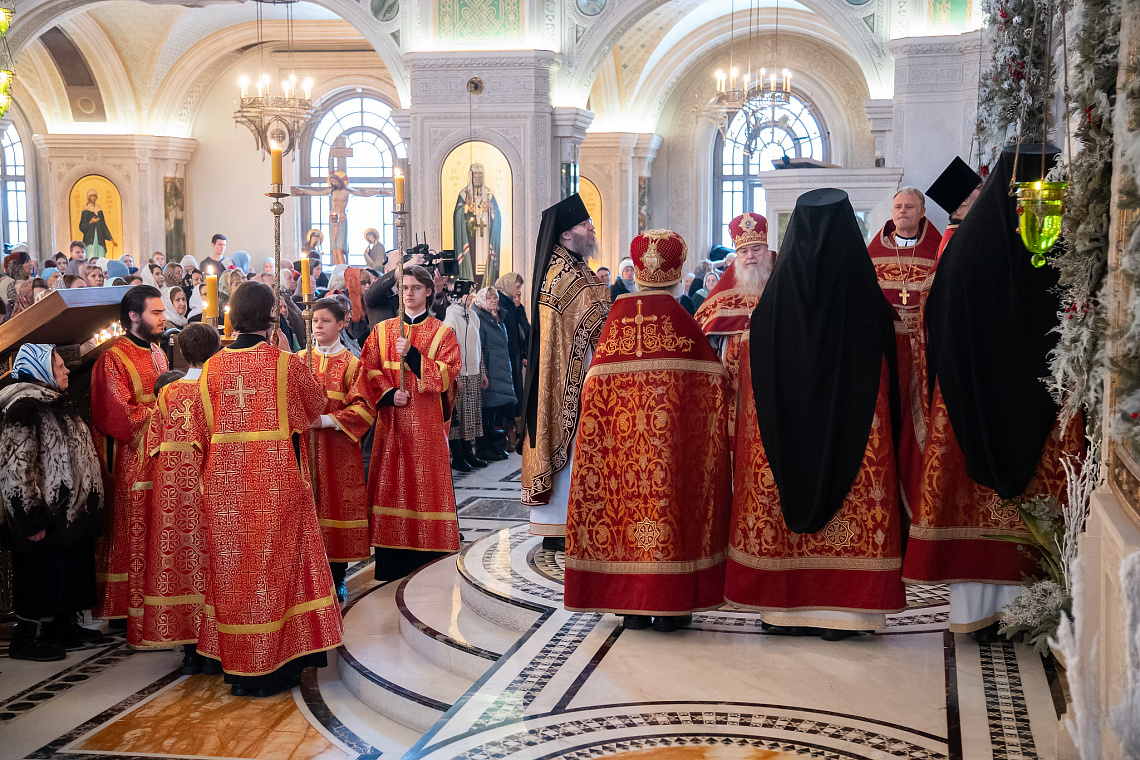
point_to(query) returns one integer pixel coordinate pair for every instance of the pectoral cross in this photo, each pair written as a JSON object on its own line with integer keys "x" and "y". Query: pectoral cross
{"x": 241, "y": 392}
{"x": 638, "y": 321}
{"x": 905, "y": 294}
{"x": 183, "y": 415}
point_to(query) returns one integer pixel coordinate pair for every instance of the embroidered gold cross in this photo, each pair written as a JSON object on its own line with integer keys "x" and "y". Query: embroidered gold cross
{"x": 905, "y": 294}
{"x": 183, "y": 415}
{"x": 241, "y": 392}
{"x": 638, "y": 320}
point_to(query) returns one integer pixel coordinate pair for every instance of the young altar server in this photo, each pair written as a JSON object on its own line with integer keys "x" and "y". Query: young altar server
{"x": 342, "y": 495}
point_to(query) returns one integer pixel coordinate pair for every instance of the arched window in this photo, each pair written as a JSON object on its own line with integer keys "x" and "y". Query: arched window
{"x": 366, "y": 125}
{"x": 14, "y": 201}
{"x": 767, "y": 130}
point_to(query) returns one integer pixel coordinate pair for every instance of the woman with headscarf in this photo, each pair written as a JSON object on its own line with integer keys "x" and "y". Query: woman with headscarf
{"x": 624, "y": 282}
{"x": 240, "y": 260}
{"x": 336, "y": 282}
{"x": 174, "y": 300}
{"x": 25, "y": 297}
{"x": 52, "y": 493}
{"x": 50, "y": 276}
{"x": 513, "y": 317}
{"x": 17, "y": 269}
{"x": 197, "y": 304}
{"x": 172, "y": 274}
{"x": 498, "y": 397}
{"x": 116, "y": 269}
{"x": 151, "y": 275}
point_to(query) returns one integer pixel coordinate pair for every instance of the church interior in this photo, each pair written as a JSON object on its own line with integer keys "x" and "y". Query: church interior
{"x": 161, "y": 114}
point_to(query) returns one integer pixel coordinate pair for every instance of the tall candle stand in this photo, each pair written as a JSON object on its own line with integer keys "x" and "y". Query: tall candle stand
{"x": 277, "y": 209}
{"x": 400, "y": 211}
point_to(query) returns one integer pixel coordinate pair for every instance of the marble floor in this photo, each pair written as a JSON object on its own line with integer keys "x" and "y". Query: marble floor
{"x": 474, "y": 657}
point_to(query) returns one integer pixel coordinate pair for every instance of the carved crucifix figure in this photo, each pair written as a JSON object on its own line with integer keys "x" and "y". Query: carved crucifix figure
{"x": 338, "y": 190}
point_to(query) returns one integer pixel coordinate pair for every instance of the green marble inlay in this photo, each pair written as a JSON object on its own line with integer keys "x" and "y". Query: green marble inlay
{"x": 458, "y": 20}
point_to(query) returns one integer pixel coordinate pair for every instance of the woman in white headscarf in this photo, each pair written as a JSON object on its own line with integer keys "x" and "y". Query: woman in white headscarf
{"x": 175, "y": 302}
{"x": 147, "y": 275}
{"x": 51, "y": 490}
{"x": 336, "y": 282}
{"x": 197, "y": 305}
{"x": 188, "y": 263}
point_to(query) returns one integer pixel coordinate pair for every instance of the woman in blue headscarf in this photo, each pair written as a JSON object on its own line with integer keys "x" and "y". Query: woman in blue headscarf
{"x": 51, "y": 489}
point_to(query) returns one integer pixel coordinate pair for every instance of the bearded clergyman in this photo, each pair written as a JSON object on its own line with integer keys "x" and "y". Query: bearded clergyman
{"x": 569, "y": 308}
{"x": 724, "y": 317}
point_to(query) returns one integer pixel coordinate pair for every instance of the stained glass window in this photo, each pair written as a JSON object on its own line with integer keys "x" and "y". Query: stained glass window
{"x": 14, "y": 199}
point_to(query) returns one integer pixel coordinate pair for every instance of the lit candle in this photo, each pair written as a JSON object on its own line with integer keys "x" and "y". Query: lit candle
{"x": 787, "y": 81}
{"x": 732, "y": 78}
{"x": 307, "y": 86}
{"x": 399, "y": 179}
{"x": 306, "y": 278}
{"x": 292, "y": 85}
{"x": 212, "y": 295}
{"x": 229, "y": 327}
{"x": 243, "y": 82}
{"x": 260, "y": 88}
{"x": 274, "y": 163}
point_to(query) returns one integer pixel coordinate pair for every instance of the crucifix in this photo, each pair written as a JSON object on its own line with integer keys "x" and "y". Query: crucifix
{"x": 637, "y": 321}
{"x": 905, "y": 295}
{"x": 339, "y": 191}
{"x": 183, "y": 417}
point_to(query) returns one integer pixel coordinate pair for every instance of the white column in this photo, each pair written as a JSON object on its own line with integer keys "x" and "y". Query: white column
{"x": 617, "y": 162}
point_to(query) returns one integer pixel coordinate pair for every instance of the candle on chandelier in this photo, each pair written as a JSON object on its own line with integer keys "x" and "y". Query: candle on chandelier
{"x": 732, "y": 78}
{"x": 229, "y": 327}
{"x": 274, "y": 163}
{"x": 260, "y": 88}
{"x": 787, "y": 81}
{"x": 212, "y": 295}
{"x": 306, "y": 278}
{"x": 399, "y": 182}
{"x": 243, "y": 83}
{"x": 307, "y": 86}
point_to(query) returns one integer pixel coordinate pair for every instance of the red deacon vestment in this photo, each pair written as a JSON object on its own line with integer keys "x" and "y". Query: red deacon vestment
{"x": 845, "y": 576}
{"x": 168, "y": 589}
{"x": 904, "y": 275}
{"x": 122, "y": 399}
{"x": 647, "y": 526}
{"x": 409, "y": 483}
{"x": 342, "y": 497}
{"x": 270, "y": 596}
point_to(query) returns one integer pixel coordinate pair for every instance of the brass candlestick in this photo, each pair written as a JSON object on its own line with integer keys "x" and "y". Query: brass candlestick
{"x": 307, "y": 314}
{"x": 400, "y": 211}
{"x": 277, "y": 209}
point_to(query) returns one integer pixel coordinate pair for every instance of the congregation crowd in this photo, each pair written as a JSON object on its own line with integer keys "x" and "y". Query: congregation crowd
{"x": 799, "y": 435}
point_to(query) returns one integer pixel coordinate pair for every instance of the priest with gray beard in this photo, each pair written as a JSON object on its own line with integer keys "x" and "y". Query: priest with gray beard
{"x": 569, "y": 307}
{"x": 725, "y": 315}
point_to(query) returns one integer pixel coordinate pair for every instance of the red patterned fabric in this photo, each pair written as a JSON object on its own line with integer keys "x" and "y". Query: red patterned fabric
{"x": 955, "y": 518}
{"x": 342, "y": 490}
{"x": 658, "y": 256}
{"x": 949, "y": 233}
{"x": 409, "y": 485}
{"x": 270, "y": 596}
{"x": 122, "y": 399}
{"x": 647, "y": 523}
{"x": 168, "y": 590}
{"x": 852, "y": 564}
{"x": 908, "y": 270}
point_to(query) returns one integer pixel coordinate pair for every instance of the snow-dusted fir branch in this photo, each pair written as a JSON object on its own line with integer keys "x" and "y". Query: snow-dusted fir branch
{"x": 1083, "y": 721}
{"x": 1082, "y": 476}
{"x": 1126, "y": 715}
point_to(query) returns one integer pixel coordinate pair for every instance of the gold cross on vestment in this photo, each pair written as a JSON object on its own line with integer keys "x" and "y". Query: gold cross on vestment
{"x": 183, "y": 415}
{"x": 241, "y": 392}
{"x": 905, "y": 296}
{"x": 638, "y": 320}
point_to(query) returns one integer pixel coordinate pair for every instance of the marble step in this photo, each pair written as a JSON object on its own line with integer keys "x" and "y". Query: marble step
{"x": 437, "y": 624}
{"x": 384, "y": 672}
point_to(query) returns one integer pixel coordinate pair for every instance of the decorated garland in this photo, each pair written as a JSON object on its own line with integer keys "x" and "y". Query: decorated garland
{"x": 1078, "y": 363}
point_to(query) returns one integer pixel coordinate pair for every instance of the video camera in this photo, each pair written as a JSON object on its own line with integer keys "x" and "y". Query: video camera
{"x": 443, "y": 262}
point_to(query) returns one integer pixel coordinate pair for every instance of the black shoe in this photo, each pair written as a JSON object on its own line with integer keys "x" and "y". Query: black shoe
{"x": 28, "y": 645}
{"x": 69, "y": 634}
{"x": 342, "y": 592}
{"x": 837, "y": 634}
{"x": 635, "y": 622}
{"x": 484, "y": 450}
{"x": 211, "y": 667}
{"x": 284, "y": 684}
{"x": 238, "y": 690}
{"x": 191, "y": 661}
{"x": 785, "y": 630}
{"x": 468, "y": 449}
{"x": 554, "y": 543}
{"x": 458, "y": 462}
{"x": 669, "y": 623}
{"x": 117, "y": 625}
{"x": 987, "y": 635}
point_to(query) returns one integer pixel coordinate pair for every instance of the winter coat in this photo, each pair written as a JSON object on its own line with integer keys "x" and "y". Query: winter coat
{"x": 49, "y": 472}
{"x": 465, "y": 322}
{"x": 513, "y": 318}
{"x": 500, "y": 389}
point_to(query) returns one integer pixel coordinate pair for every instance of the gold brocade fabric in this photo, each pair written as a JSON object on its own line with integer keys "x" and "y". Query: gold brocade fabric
{"x": 853, "y": 563}
{"x": 572, "y": 308}
{"x": 956, "y": 518}
{"x": 651, "y": 489}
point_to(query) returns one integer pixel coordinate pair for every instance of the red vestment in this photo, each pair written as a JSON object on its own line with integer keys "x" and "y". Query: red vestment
{"x": 727, "y": 312}
{"x": 270, "y": 596}
{"x": 852, "y": 565}
{"x": 168, "y": 590}
{"x": 409, "y": 483}
{"x": 951, "y": 535}
{"x": 122, "y": 398}
{"x": 647, "y": 524}
{"x": 949, "y": 233}
{"x": 342, "y": 492}
{"x": 906, "y": 274}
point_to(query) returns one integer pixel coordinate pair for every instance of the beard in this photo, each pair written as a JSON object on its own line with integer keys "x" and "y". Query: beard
{"x": 584, "y": 245}
{"x": 751, "y": 278}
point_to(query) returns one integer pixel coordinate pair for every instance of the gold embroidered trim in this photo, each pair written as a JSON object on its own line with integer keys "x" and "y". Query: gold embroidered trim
{"x": 245, "y": 629}
{"x": 813, "y": 563}
{"x": 653, "y": 365}
{"x": 166, "y": 601}
{"x": 343, "y": 523}
{"x": 644, "y": 568}
{"x": 411, "y": 514}
{"x": 142, "y": 485}
{"x": 111, "y": 577}
{"x": 926, "y": 533}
